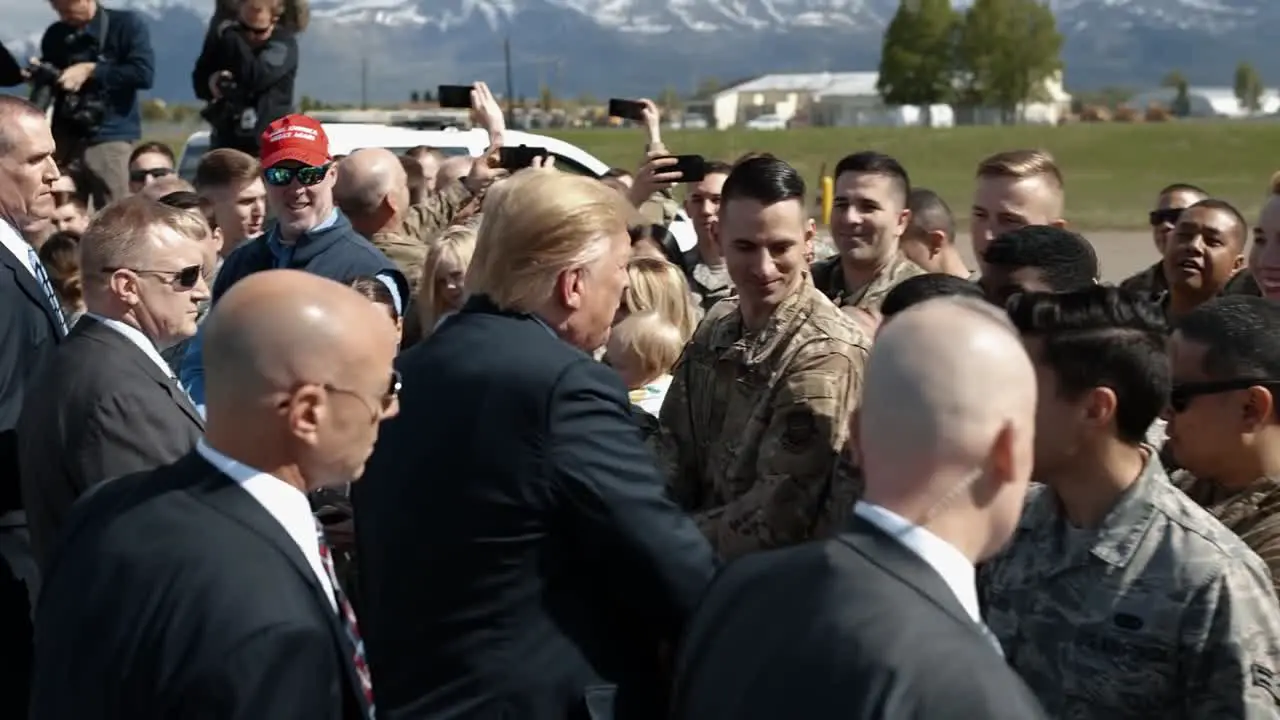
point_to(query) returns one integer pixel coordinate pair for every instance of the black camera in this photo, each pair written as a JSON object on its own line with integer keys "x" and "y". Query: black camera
{"x": 82, "y": 112}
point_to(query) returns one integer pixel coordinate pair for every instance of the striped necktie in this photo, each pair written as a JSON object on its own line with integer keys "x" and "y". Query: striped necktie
{"x": 358, "y": 659}
{"x": 37, "y": 268}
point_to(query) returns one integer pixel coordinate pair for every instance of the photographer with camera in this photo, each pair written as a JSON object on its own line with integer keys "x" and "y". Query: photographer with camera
{"x": 92, "y": 64}
{"x": 246, "y": 73}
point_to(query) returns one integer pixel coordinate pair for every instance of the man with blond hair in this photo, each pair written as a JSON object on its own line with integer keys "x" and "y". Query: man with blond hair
{"x": 883, "y": 620}
{"x": 230, "y": 183}
{"x": 109, "y": 404}
{"x": 553, "y": 533}
{"x": 1014, "y": 189}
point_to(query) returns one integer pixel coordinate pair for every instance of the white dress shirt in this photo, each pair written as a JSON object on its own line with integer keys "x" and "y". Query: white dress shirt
{"x": 956, "y": 570}
{"x": 16, "y": 244}
{"x": 286, "y": 503}
{"x": 136, "y": 337}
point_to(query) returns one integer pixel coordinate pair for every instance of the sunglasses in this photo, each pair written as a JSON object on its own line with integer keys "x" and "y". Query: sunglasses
{"x": 1167, "y": 216}
{"x": 140, "y": 176}
{"x": 1182, "y": 394}
{"x": 185, "y": 279}
{"x": 307, "y": 174}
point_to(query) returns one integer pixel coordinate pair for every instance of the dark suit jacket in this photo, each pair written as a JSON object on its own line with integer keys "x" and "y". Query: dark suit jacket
{"x": 516, "y": 549}
{"x": 854, "y": 627}
{"x": 100, "y": 409}
{"x": 29, "y": 333}
{"x": 175, "y": 594}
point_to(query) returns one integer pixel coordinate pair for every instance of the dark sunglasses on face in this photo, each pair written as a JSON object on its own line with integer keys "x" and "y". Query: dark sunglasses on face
{"x": 1161, "y": 217}
{"x": 307, "y": 174}
{"x": 185, "y": 279}
{"x": 1182, "y": 394}
{"x": 140, "y": 176}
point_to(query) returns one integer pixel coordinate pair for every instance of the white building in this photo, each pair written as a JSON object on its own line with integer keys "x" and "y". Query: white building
{"x": 1205, "y": 102}
{"x": 843, "y": 99}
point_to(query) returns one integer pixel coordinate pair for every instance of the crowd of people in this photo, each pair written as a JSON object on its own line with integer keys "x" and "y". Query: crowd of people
{"x": 419, "y": 437}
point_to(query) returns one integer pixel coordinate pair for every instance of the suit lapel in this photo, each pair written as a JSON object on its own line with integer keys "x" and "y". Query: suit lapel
{"x": 92, "y": 329}
{"x": 225, "y": 495}
{"x": 30, "y": 287}
{"x": 885, "y": 552}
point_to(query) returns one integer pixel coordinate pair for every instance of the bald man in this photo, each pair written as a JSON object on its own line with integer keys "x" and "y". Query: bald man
{"x": 373, "y": 190}
{"x": 205, "y": 584}
{"x": 882, "y": 621}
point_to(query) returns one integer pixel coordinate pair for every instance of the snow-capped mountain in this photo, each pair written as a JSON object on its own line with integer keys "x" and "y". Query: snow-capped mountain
{"x": 628, "y": 47}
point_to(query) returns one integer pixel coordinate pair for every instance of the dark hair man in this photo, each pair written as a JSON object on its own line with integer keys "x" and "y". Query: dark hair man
{"x": 754, "y": 434}
{"x": 1037, "y": 258}
{"x": 1115, "y": 582}
{"x": 868, "y": 218}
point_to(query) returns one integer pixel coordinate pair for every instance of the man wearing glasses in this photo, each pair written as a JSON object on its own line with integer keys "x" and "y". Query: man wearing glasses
{"x": 107, "y": 404}
{"x": 1224, "y": 427}
{"x": 1169, "y": 205}
{"x": 310, "y": 233}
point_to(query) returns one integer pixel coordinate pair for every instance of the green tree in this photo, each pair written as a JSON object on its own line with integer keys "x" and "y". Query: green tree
{"x": 587, "y": 100}
{"x": 916, "y": 60}
{"x": 414, "y": 97}
{"x": 1006, "y": 50}
{"x": 1182, "y": 97}
{"x": 1248, "y": 87}
{"x": 546, "y": 98}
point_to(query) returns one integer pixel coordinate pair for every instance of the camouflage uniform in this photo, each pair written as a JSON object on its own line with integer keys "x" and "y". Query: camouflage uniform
{"x": 660, "y": 209}
{"x": 424, "y": 220}
{"x": 1159, "y": 613}
{"x": 708, "y": 285}
{"x": 753, "y": 425}
{"x": 1252, "y": 513}
{"x": 829, "y": 278}
{"x": 1148, "y": 283}
{"x": 407, "y": 253}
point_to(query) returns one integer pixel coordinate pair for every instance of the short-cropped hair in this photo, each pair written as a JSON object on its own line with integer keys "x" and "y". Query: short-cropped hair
{"x": 918, "y": 289}
{"x": 765, "y": 179}
{"x": 121, "y": 235}
{"x": 537, "y": 224}
{"x": 1020, "y": 164}
{"x": 226, "y": 167}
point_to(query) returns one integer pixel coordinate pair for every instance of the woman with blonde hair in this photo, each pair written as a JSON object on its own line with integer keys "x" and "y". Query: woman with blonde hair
{"x": 659, "y": 286}
{"x": 442, "y": 289}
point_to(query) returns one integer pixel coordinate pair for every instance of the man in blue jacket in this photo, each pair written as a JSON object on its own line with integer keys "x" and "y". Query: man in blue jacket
{"x": 310, "y": 233}
{"x": 103, "y": 59}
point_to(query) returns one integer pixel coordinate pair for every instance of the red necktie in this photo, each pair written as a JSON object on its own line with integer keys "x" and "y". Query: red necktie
{"x": 358, "y": 659}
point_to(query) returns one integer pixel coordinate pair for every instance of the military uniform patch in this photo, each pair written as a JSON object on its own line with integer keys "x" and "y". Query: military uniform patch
{"x": 799, "y": 430}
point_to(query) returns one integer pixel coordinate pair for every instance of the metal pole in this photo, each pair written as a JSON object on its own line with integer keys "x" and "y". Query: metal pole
{"x": 511, "y": 85}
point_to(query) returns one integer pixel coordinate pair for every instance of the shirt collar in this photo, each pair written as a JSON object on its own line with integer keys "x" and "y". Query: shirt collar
{"x": 956, "y": 569}
{"x": 135, "y": 336}
{"x": 16, "y": 244}
{"x": 285, "y": 503}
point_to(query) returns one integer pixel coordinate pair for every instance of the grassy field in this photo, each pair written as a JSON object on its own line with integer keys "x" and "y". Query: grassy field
{"x": 1112, "y": 170}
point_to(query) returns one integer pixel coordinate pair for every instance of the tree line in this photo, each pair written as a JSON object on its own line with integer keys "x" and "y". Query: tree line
{"x": 997, "y": 54}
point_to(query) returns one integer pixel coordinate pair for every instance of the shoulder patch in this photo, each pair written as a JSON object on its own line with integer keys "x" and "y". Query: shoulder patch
{"x": 799, "y": 430}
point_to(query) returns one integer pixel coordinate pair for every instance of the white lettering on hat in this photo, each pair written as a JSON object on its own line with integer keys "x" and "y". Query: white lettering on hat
{"x": 293, "y": 131}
